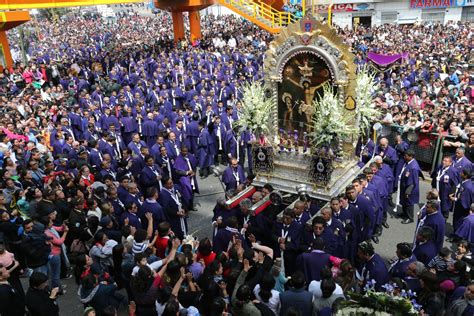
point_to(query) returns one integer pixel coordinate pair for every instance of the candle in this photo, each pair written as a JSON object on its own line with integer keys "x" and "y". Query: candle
{"x": 305, "y": 142}
{"x": 295, "y": 136}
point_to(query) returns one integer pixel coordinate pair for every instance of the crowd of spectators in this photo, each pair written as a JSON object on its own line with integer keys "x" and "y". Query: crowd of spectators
{"x": 106, "y": 126}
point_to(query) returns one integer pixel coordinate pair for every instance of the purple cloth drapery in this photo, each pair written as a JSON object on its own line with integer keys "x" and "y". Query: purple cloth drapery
{"x": 384, "y": 60}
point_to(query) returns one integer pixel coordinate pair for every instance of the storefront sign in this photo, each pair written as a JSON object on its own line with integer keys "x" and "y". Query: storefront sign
{"x": 345, "y": 7}
{"x": 426, "y": 4}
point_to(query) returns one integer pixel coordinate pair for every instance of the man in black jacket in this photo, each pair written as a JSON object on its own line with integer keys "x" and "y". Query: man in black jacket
{"x": 37, "y": 249}
{"x": 39, "y": 299}
{"x": 11, "y": 302}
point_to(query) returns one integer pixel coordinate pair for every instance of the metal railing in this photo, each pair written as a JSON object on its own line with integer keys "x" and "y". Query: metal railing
{"x": 260, "y": 9}
{"x": 428, "y": 147}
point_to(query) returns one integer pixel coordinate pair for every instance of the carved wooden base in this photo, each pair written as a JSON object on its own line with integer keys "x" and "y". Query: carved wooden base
{"x": 291, "y": 169}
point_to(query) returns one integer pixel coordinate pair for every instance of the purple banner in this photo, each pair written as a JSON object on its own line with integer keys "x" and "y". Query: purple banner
{"x": 385, "y": 60}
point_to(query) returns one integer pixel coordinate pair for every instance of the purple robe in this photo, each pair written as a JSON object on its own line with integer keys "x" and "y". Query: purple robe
{"x": 389, "y": 155}
{"x": 364, "y": 152}
{"x": 375, "y": 269}
{"x": 424, "y": 252}
{"x": 224, "y": 237}
{"x": 344, "y": 216}
{"x": 135, "y": 147}
{"x": 399, "y": 268}
{"x": 133, "y": 220}
{"x": 445, "y": 181}
{"x": 466, "y": 229}
{"x": 401, "y": 149}
{"x": 330, "y": 240}
{"x": 464, "y": 198}
{"x": 149, "y": 177}
{"x": 173, "y": 148}
{"x": 365, "y": 217}
{"x": 312, "y": 263}
{"x": 187, "y": 185}
{"x": 437, "y": 223}
{"x": 410, "y": 183}
{"x": 155, "y": 208}
{"x": 230, "y": 176}
{"x": 293, "y": 235}
{"x": 204, "y": 155}
{"x": 170, "y": 202}
{"x": 150, "y": 131}
{"x": 462, "y": 163}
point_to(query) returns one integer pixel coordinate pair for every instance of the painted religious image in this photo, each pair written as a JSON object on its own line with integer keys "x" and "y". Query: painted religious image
{"x": 303, "y": 78}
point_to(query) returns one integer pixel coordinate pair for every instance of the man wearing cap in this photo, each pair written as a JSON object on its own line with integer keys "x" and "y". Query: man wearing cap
{"x": 409, "y": 187}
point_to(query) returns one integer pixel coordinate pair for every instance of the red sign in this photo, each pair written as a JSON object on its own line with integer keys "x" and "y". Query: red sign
{"x": 436, "y": 3}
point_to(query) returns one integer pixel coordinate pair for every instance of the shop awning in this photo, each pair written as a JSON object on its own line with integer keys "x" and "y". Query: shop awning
{"x": 412, "y": 20}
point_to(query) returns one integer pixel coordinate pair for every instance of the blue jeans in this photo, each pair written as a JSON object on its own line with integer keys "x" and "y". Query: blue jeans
{"x": 55, "y": 270}
{"x": 43, "y": 269}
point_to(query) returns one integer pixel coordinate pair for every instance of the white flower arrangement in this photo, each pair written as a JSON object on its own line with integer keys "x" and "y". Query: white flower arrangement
{"x": 257, "y": 109}
{"x": 329, "y": 124}
{"x": 366, "y": 112}
{"x": 351, "y": 311}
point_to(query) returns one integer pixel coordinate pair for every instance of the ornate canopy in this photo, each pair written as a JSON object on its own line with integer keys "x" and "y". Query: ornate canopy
{"x": 310, "y": 37}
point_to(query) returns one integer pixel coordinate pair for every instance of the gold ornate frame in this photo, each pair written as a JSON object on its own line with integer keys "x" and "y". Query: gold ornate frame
{"x": 309, "y": 35}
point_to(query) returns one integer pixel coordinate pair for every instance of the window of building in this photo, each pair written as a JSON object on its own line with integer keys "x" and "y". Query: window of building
{"x": 467, "y": 14}
{"x": 433, "y": 15}
{"x": 388, "y": 17}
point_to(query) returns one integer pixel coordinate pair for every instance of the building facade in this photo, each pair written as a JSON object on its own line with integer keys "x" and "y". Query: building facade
{"x": 349, "y": 14}
{"x": 377, "y": 12}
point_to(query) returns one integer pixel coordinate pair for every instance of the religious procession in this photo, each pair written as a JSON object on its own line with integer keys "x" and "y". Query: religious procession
{"x": 236, "y": 158}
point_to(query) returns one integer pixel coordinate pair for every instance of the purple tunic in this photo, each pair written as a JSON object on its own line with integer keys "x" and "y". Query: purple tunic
{"x": 410, "y": 178}
{"x": 445, "y": 181}
{"x": 171, "y": 204}
{"x": 187, "y": 185}
{"x": 230, "y": 176}
{"x": 466, "y": 229}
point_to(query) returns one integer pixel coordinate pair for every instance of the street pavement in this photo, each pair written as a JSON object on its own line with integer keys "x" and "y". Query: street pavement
{"x": 199, "y": 224}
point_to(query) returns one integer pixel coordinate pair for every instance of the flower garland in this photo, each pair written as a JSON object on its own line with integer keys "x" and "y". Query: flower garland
{"x": 390, "y": 302}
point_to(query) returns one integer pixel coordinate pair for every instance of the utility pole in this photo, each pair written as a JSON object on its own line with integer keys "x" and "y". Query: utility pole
{"x": 22, "y": 45}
